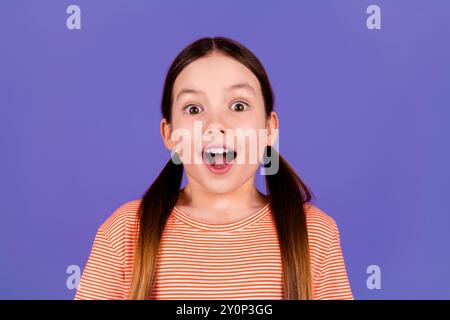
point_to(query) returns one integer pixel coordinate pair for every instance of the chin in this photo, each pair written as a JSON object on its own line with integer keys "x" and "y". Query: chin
{"x": 220, "y": 187}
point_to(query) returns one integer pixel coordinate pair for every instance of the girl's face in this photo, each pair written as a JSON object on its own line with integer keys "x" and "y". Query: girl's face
{"x": 218, "y": 101}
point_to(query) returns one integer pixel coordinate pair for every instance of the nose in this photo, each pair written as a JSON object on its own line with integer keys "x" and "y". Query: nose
{"x": 214, "y": 135}
{"x": 215, "y": 128}
{"x": 211, "y": 131}
{"x": 214, "y": 125}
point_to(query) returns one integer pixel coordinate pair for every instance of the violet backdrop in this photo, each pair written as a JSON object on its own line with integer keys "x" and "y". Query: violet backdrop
{"x": 364, "y": 119}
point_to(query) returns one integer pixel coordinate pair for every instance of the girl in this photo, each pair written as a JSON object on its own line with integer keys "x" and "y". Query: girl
{"x": 219, "y": 237}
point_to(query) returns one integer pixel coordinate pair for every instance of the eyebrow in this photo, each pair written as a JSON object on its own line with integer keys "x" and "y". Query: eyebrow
{"x": 232, "y": 87}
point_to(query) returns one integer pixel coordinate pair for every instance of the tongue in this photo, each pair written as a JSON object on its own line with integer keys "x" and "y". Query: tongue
{"x": 219, "y": 161}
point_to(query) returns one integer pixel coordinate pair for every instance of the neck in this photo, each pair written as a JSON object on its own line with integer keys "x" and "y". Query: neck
{"x": 247, "y": 196}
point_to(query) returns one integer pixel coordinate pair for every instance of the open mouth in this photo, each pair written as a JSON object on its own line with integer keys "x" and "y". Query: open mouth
{"x": 218, "y": 157}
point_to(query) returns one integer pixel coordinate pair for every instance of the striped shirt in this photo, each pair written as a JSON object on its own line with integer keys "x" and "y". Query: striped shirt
{"x": 198, "y": 260}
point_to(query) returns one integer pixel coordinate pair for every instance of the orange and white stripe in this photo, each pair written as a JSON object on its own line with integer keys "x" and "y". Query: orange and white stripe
{"x": 198, "y": 260}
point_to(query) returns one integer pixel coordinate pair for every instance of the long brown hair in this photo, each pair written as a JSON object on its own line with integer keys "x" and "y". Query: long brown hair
{"x": 285, "y": 190}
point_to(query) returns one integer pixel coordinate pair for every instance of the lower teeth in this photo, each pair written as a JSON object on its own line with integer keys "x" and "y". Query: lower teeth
{"x": 225, "y": 159}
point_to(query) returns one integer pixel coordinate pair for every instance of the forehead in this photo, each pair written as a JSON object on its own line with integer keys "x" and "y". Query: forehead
{"x": 214, "y": 73}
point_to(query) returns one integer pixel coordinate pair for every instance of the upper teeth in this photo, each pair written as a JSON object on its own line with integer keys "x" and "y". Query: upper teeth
{"x": 217, "y": 150}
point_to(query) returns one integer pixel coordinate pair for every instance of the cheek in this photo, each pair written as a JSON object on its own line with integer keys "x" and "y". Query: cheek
{"x": 251, "y": 119}
{"x": 183, "y": 138}
{"x": 251, "y": 145}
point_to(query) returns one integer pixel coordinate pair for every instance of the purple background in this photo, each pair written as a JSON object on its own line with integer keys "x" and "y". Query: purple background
{"x": 364, "y": 121}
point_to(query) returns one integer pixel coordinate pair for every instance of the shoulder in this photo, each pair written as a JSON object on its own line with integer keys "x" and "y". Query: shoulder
{"x": 122, "y": 220}
{"x": 323, "y": 236}
{"x": 322, "y": 232}
{"x": 319, "y": 223}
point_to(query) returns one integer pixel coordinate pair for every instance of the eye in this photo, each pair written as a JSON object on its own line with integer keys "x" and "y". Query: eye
{"x": 192, "y": 109}
{"x": 239, "y": 106}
